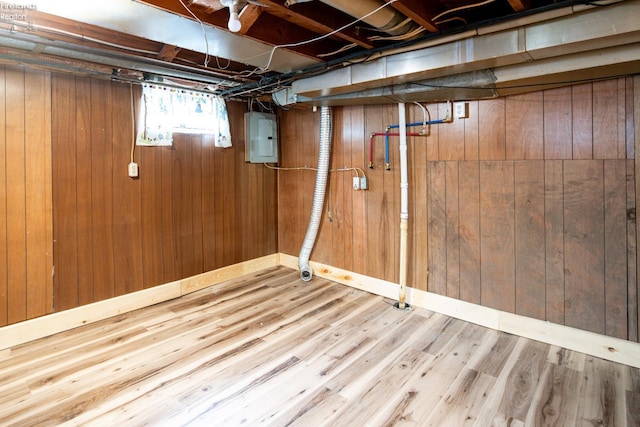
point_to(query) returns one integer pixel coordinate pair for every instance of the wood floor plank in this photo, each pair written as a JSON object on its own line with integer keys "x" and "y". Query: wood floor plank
{"x": 269, "y": 349}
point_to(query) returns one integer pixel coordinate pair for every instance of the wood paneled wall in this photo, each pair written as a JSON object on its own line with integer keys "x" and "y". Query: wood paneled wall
{"x": 194, "y": 207}
{"x": 26, "y": 260}
{"x": 528, "y": 205}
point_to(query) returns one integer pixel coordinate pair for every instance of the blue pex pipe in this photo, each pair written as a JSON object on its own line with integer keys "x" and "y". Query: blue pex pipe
{"x": 386, "y": 138}
{"x": 386, "y": 151}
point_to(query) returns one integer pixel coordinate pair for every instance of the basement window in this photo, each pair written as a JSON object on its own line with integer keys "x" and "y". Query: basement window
{"x": 165, "y": 111}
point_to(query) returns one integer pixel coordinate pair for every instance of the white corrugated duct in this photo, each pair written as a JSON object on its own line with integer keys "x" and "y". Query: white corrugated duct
{"x": 324, "y": 156}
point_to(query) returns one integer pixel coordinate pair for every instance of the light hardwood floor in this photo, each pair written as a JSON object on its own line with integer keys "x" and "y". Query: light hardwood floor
{"x": 269, "y": 349}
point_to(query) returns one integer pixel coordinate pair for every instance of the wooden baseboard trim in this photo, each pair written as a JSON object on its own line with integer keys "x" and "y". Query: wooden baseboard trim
{"x": 39, "y": 327}
{"x": 602, "y": 346}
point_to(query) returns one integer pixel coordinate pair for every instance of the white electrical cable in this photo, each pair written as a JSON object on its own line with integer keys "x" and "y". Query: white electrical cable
{"x": 358, "y": 171}
{"x": 204, "y": 33}
{"x": 133, "y": 124}
{"x": 455, "y": 9}
{"x": 324, "y": 36}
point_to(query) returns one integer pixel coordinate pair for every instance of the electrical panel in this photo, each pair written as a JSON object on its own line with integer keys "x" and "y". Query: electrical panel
{"x": 261, "y": 134}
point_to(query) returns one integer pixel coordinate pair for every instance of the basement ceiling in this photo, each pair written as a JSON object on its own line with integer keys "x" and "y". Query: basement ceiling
{"x": 302, "y": 50}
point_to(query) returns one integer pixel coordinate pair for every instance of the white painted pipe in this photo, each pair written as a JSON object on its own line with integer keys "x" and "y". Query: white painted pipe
{"x": 404, "y": 205}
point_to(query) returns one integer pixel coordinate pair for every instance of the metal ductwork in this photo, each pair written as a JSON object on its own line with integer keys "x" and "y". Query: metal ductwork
{"x": 579, "y": 44}
{"x": 386, "y": 19}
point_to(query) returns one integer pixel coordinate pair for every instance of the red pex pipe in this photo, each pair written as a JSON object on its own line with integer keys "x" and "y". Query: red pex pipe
{"x": 374, "y": 134}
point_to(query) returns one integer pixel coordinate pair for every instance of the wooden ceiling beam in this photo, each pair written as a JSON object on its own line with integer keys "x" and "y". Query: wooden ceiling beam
{"x": 519, "y": 5}
{"x": 248, "y": 16}
{"x": 419, "y": 11}
{"x": 168, "y": 52}
{"x": 314, "y": 25}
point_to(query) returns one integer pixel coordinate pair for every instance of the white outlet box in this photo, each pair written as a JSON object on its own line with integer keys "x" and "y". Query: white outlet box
{"x": 133, "y": 170}
{"x": 461, "y": 110}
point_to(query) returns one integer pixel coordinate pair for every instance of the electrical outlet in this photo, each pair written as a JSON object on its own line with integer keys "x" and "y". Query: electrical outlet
{"x": 356, "y": 183}
{"x": 461, "y": 110}
{"x": 133, "y": 170}
{"x": 363, "y": 183}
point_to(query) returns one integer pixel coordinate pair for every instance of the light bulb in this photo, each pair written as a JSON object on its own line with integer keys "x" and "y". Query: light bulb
{"x": 234, "y": 23}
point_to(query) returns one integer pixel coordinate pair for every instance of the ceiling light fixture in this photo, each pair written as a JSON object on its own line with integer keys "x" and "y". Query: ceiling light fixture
{"x": 234, "y": 24}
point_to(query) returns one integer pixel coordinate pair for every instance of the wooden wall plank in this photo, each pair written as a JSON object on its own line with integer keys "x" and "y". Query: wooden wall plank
{"x": 582, "y": 121}
{"x": 169, "y": 237}
{"x": 615, "y": 248}
{"x": 64, "y": 192}
{"x": 584, "y": 245}
{"x": 48, "y": 165}
{"x": 621, "y": 119}
{"x": 524, "y": 142}
{"x": 629, "y": 121}
{"x": 287, "y": 184}
{"x": 452, "y": 229}
{"x": 209, "y": 203}
{"x": 38, "y": 180}
{"x": 233, "y": 250}
{"x": 491, "y": 122}
{"x": 343, "y": 241}
{"x": 470, "y": 231}
{"x": 557, "y": 123}
{"x": 377, "y": 221}
{"x": 127, "y": 226}
{"x": 451, "y": 137}
{"x": 632, "y": 267}
{"x": 196, "y": 214}
{"x": 359, "y": 199}
{"x": 605, "y": 119}
{"x": 102, "y": 190}
{"x": 16, "y": 208}
{"x": 437, "y": 232}
{"x": 636, "y": 121}
{"x": 4, "y": 160}
{"x": 84, "y": 186}
{"x": 181, "y": 200}
{"x": 530, "y": 238}
{"x": 335, "y": 199}
{"x": 471, "y": 132}
{"x": 418, "y": 218}
{"x": 554, "y": 241}
{"x": 497, "y": 238}
{"x": 268, "y": 212}
{"x": 150, "y": 161}
{"x": 433, "y": 131}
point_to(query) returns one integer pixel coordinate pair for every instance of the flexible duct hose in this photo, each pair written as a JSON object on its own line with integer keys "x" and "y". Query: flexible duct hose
{"x": 318, "y": 196}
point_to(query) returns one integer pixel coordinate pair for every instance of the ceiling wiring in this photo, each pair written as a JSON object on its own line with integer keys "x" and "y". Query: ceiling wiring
{"x": 455, "y": 18}
{"x": 400, "y": 37}
{"x": 204, "y": 33}
{"x": 342, "y": 49}
{"x": 324, "y": 36}
{"x": 455, "y": 9}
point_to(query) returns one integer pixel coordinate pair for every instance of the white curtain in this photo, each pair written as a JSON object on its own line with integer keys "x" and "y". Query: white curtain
{"x": 156, "y": 114}
{"x": 166, "y": 111}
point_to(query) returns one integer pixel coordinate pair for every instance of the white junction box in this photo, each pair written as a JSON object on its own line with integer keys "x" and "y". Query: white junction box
{"x": 461, "y": 110}
{"x": 261, "y": 134}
